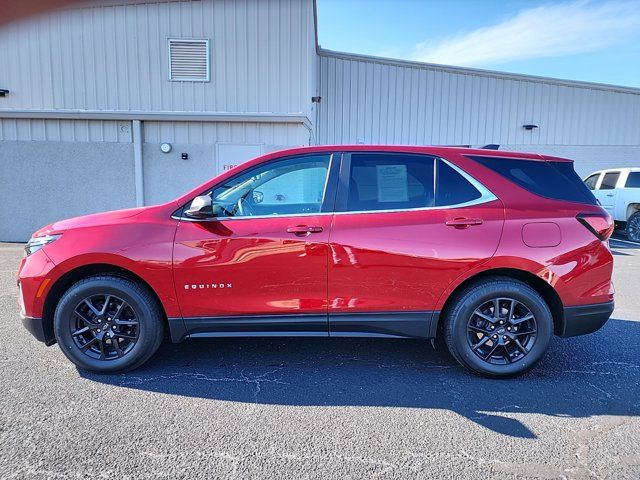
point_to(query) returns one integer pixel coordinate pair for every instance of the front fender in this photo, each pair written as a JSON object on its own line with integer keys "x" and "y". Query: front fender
{"x": 144, "y": 249}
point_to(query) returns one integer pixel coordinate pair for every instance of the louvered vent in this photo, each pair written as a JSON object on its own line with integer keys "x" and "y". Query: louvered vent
{"x": 188, "y": 60}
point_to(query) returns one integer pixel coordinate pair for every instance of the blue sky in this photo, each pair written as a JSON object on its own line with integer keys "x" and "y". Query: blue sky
{"x": 594, "y": 41}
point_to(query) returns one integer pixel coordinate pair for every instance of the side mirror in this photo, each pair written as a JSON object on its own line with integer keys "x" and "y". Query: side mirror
{"x": 200, "y": 207}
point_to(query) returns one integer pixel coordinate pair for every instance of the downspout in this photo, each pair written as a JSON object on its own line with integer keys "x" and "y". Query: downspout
{"x": 137, "y": 162}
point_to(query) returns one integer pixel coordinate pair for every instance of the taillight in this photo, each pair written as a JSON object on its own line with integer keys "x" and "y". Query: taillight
{"x": 601, "y": 225}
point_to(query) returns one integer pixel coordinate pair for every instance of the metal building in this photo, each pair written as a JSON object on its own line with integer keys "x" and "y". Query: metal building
{"x": 131, "y": 102}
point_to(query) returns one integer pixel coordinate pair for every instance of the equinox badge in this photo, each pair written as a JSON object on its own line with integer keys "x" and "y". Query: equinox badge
{"x": 207, "y": 286}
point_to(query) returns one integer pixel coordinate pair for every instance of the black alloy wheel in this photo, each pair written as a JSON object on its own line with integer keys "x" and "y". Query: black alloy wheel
{"x": 498, "y": 326}
{"x": 108, "y": 324}
{"x": 633, "y": 227}
{"x": 501, "y": 331}
{"x": 105, "y": 327}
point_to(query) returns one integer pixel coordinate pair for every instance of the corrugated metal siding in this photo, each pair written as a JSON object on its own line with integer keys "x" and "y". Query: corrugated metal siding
{"x": 371, "y": 101}
{"x": 203, "y": 133}
{"x": 116, "y": 57}
{"x": 64, "y": 130}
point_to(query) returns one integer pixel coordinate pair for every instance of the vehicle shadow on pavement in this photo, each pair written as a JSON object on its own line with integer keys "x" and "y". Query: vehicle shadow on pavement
{"x": 594, "y": 375}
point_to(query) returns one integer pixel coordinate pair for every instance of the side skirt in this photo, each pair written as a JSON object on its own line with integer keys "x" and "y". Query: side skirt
{"x": 382, "y": 324}
{"x": 374, "y": 324}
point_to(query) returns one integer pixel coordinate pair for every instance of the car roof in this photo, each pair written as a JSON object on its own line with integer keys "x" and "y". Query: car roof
{"x": 611, "y": 170}
{"x": 431, "y": 150}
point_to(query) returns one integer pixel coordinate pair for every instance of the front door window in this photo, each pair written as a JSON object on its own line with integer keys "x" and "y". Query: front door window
{"x": 291, "y": 186}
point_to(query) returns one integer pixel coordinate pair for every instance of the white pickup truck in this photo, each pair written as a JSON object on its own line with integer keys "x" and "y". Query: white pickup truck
{"x": 618, "y": 190}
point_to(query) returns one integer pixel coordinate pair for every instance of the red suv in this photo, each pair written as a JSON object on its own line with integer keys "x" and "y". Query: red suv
{"x": 493, "y": 251}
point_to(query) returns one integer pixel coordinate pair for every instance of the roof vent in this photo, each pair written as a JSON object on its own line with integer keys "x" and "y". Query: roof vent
{"x": 188, "y": 60}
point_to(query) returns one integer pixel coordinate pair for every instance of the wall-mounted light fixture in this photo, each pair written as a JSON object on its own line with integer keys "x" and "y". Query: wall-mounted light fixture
{"x": 165, "y": 147}
{"x": 529, "y": 126}
{"x": 316, "y": 99}
{"x": 3, "y": 92}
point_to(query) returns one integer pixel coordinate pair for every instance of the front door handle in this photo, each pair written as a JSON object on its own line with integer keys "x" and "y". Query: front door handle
{"x": 463, "y": 222}
{"x": 304, "y": 230}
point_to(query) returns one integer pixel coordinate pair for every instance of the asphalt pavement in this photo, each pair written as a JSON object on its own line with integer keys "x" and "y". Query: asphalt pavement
{"x": 323, "y": 408}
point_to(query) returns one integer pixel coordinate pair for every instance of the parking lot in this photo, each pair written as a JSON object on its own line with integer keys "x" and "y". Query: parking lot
{"x": 323, "y": 408}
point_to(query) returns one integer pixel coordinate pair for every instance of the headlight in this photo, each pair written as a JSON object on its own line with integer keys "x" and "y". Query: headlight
{"x": 36, "y": 243}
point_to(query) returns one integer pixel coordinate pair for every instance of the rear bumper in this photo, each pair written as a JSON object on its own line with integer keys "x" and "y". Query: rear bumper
{"x": 585, "y": 319}
{"x": 37, "y": 328}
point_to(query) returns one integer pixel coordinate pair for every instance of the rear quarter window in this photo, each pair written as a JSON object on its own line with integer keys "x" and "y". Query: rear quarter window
{"x": 555, "y": 180}
{"x": 609, "y": 181}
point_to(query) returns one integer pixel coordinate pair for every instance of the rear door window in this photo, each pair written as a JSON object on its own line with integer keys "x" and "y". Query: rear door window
{"x": 609, "y": 181}
{"x": 555, "y": 180}
{"x": 399, "y": 181}
{"x": 390, "y": 181}
{"x": 452, "y": 188}
{"x": 633, "y": 180}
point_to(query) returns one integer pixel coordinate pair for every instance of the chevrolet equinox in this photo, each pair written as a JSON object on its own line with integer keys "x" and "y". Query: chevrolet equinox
{"x": 492, "y": 251}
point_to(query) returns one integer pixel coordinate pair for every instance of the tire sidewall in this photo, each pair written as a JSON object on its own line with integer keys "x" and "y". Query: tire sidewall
{"x": 476, "y": 297}
{"x": 125, "y": 290}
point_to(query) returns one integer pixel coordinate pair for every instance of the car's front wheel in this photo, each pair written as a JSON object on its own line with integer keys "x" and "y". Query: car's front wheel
{"x": 108, "y": 324}
{"x": 498, "y": 327}
{"x": 633, "y": 227}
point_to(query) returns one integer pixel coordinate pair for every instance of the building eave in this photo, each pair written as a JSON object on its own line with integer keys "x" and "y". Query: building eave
{"x": 231, "y": 117}
{"x": 476, "y": 71}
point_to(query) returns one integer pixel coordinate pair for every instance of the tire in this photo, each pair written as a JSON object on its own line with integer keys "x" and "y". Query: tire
{"x": 118, "y": 338}
{"x": 633, "y": 227}
{"x": 466, "y": 332}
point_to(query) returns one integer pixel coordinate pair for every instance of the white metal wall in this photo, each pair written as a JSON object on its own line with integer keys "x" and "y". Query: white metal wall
{"x": 55, "y": 130}
{"x": 115, "y": 58}
{"x": 371, "y": 100}
{"x": 167, "y": 176}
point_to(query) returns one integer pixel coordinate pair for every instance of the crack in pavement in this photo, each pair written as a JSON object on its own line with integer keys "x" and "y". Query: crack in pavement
{"x": 132, "y": 381}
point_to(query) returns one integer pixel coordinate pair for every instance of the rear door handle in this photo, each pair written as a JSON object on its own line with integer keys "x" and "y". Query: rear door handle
{"x": 463, "y": 222}
{"x": 304, "y": 229}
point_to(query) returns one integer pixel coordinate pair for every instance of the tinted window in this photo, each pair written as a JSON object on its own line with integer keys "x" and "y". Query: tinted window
{"x": 609, "y": 181}
{"x": 452, "y": 188}
{"x": 591, "y": 181}
{"x": 390, "y": 182}
{"x": 633, "y": 180}
{"x": 297, "y": 187}
{"x": 555, "y": 180}
{"x": 283, "y": 187}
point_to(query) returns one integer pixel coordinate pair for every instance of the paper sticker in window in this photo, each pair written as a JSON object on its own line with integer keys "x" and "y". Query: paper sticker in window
{"x": 392, "y": 183}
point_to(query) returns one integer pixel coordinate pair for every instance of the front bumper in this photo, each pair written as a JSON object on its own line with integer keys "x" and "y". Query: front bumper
{"x": 39, "y": 329}
{"x": 585, "y": 319}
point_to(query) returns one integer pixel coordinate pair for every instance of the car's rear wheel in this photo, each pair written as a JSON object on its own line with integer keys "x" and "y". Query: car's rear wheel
{"x": 498, "y": 327}
{"x": 108, "y": 324}
{"x": 633, "y": 227}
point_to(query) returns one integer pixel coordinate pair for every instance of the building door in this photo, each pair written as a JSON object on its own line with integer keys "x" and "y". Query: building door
{"x": 228, "y": 155}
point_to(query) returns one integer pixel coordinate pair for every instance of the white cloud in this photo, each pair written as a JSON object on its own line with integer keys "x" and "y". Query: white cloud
{"x": 550, "y": 30}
